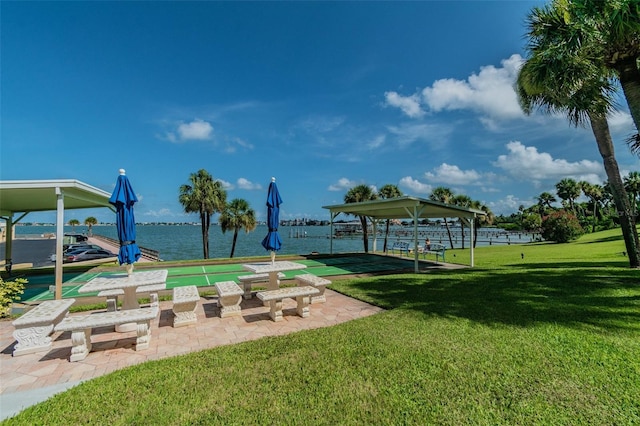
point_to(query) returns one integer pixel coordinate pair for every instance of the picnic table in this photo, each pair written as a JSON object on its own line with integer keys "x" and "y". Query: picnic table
{"x": 273, "y": 268}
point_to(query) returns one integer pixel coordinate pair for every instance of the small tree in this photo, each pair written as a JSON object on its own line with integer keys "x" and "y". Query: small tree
{"x": 73, "y": 223}
{"x": 90, "y": 221}
{"x": 561, "y": 227}
{"x": 10, "y": 292}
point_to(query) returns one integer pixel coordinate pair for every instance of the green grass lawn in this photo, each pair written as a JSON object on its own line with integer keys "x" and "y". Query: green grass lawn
{"x": 549, "y": 338}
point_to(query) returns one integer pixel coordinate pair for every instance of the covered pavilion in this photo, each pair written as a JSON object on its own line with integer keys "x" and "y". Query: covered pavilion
{"x": 21, "y": 197}
{"x": 405, "y": 207}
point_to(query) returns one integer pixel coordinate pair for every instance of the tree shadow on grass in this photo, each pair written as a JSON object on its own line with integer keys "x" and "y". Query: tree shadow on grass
{"x": 603, "y": 299}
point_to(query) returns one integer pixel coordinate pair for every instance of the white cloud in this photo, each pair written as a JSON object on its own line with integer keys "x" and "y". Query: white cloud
{"x": 377, "y": 142}
{"x": 342, "y": 184}
{"x": 415, "y": 186}
{"x": 453, "y": 175}
{"x": 527, "y": 164}
{"x": 508, "y": 205}
{"x": 226, "y": 185}
{"x": 620, "y": 121}
{"x": 196, "y": 130}
{"x": 410, "y": 105}
{"x": 246, "y": 184}
{"x": 158, "y": 213}
{"x": 489, "y": 93}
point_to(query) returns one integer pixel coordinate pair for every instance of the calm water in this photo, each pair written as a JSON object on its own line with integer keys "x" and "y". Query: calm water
{"x": 185, "y": 241}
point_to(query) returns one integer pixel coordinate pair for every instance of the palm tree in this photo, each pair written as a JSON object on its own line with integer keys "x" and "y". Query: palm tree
{"x": 386, "y": 192}
{"x": 594, "y": 193}
{"x": 462, "y": 201}
{"x": 632, "y": 185}
{"x": 559, "y": 79}
{"x": 443, "y": 195}
{"x": 204, "y": 196}
{"x": 237, "y": 215}
{"x": 568, "y": 190}
{"x": 544, "y": 202}
{"x": 480, "y": 220}
{"x": 73, "y": 223}
{"x": 358, "y": 194}
{"x": 90, "y": 221}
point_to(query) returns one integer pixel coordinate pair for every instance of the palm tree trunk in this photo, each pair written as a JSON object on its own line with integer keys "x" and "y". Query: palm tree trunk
{"x": 365, "y": 233}
{"x": 595, "y": 218}
{"x": 446, "y": 225}
{"x": 630, "y": 81}
{"x": 600, "y": 129}
{"x": 233, "y": 244}
{"x": 386, "y": 236}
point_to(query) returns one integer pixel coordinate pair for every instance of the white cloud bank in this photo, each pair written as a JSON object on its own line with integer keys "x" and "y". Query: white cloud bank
{"x": 342, "y": 184}
{"x": 195, "y": 130}
{"x": 415, "y": 186}
{"x": 247, "y": 184}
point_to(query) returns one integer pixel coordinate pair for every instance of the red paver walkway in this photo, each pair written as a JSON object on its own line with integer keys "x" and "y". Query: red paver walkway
{"x": 26, "y": 375}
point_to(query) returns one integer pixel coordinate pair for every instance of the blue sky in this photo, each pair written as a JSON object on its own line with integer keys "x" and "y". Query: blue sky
{"x": 323, "y": 96}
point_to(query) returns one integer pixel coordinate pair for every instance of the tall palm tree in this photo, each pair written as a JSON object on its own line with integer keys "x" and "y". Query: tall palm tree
{"x": 443, "y": 195}
{"x": 358, "y": 194}
{"x": 90, "y": 221}
{"x": 386, "y": 192}
{"x": 205, "y": 196}
{"x": 568, "y": 190}
{"x": 544, "y": 202}
{"x": 480, "y": 220}
{"x": 557, "y": 78}
{"x": 237, "y": 215}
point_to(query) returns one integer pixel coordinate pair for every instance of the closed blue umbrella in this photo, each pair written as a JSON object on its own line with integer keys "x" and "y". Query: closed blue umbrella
{"x": 272, "y": 241}
{"x": 123, "y": 198}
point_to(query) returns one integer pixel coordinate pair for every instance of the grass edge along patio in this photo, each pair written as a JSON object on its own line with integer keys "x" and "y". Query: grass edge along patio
{"x": 535, "y": 334}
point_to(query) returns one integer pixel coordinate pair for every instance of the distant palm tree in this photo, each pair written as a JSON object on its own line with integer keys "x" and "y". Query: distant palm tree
{"x": 237, "y": 215}
{"x": 386, "y": 192}
{"x": 90, "y": 221}
{"x": 544, "y": 201}
{"x": 568, "y": 190}
{"x": 204, "y": 196}
{"x": 480, "y": 220}
{"x": 595, "y": 194}
{"x": 73, "y": 223}
{"x": 443, "y": 195}
{"x": 632, "y": 185}
{"x": 358, "y": 194}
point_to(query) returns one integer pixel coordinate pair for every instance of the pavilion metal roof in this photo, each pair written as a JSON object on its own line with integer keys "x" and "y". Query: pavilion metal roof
{"x": 404, "y": 207}
{"x": 42, "y": 195}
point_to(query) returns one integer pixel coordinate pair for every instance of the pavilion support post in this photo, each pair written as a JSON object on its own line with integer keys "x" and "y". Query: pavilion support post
{"x": 8, "y": 248}
{"x": 59, "y": 241}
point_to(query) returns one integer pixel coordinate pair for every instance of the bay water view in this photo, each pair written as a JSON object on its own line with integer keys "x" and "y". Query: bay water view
{"x": 184, "y": 241}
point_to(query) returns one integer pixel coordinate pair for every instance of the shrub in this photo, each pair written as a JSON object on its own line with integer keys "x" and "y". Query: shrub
{"x": 10, "y": 292}
{"x": 561, "y": 227}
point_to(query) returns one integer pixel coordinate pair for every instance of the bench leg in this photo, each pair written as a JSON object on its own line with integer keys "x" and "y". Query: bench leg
{"x": 229, "y": 305}
{"x": 81, "y": 341}
{"x": 247, "y": 290}
{"x": 184, "y": 313}
{"x": 32, "y": 339}
{"x": 143, "y": 335}
{"x": 153, "y": 300}
{"x": 112, "y": 303}
{"x": 303, "y": 306}
{"x": 276, "y": 310}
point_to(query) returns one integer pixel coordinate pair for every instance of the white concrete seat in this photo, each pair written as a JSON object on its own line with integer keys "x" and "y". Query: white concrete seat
{"x": 314, "y": 281}
{"x": 185, "y": 301}
{"x": 32, "y": 329}
{"x": 82, "y": 325}
{"x": 247, "y": 280}
{"x": 229, "y": 297}
{"x": 300, "y": 294}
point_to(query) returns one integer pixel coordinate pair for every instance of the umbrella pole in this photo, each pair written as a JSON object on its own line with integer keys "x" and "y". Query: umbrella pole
{"x": 129, "y": 268}
{"x": 273, "y": 257}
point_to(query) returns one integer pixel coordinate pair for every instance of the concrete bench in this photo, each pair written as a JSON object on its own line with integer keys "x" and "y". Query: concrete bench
{"x": 314, "y": 281}
{"x": 32, "y": 329}
{"x": 112, "y": 295}
{"x": 185, "y": 301}
{"x": 247, "y": 280}
{"x": 301, "y": 294}
{"x": 229, "y": 297}
{"x": 81, "y": 326}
